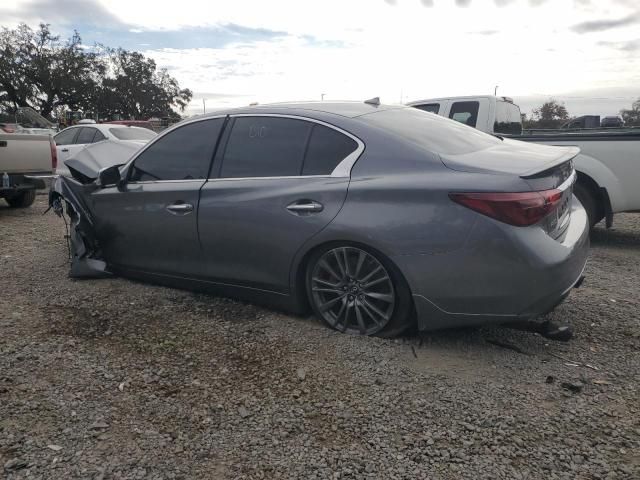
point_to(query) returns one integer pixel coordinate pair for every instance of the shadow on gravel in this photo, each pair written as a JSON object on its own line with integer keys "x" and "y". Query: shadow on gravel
{"x": 626, "y": 239}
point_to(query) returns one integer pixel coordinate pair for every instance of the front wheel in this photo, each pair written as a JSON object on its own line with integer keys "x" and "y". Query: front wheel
{"x": 23, "y": 199}
{"x": 358, "y": 292}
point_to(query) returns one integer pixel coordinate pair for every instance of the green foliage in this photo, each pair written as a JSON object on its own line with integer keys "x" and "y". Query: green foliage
{"x": 551, "y": 114}
{"x": 631, "y": 117}
{"x": 39, "y": 70}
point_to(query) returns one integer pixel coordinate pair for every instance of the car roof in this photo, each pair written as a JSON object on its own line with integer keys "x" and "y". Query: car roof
{"x": 344, "y": 109}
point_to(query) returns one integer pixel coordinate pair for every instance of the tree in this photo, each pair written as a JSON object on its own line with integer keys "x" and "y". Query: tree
{"x": 551, "y": 114}
{"x": 39, "y": 70}
{"x": 135, "y": 88}
{"x": 631, "y": 117}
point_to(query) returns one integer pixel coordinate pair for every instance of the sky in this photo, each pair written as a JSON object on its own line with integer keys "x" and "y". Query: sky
{"x": 585, "y": 53}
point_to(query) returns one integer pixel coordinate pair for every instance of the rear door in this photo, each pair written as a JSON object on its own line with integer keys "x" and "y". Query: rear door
{"x": 150, "y": 225}
{"x": 278, "y": 181}
{"x": 64, "y": 141}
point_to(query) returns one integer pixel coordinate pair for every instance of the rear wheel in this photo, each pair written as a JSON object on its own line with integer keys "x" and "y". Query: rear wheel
{"x": 23, "y": 199}
{"x": 589, "y": 202}
{"x": 356, "y": 291}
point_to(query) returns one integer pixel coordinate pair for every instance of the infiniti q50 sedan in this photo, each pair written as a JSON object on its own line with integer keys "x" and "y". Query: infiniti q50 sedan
{"x": 376, "y": 217}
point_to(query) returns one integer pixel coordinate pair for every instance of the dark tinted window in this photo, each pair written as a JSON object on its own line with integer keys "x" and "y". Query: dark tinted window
{"x": 184, "y": 153}
{"x": 265, "y": 147}
{"x": 66, "y": 137}
{"x": 508, "y": 119}
{"x": 99, "y": 136}
{"x": 431, "y": 132}
{"x": 429, "y": 107}
{"x": 85, "y": 136}
{"x": 465, "y": 112}
{"x": 327, "y": 148}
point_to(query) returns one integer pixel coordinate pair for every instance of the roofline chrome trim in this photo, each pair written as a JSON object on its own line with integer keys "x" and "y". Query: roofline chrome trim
{"x": 343, "y": 169}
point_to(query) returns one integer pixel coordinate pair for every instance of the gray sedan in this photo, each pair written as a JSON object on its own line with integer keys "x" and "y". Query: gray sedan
{"x": 375, "y": 217}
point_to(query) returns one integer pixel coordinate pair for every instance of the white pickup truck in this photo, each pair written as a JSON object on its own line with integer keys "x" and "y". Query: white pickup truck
{"x": 25, "y": 161}
{"x": 608, "y": 165}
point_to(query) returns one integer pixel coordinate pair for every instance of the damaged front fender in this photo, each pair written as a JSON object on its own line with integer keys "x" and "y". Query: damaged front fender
{"x": 86, "y": 257}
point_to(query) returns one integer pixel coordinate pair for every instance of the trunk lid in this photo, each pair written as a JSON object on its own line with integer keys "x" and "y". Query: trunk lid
{"x": 511, "y": 157}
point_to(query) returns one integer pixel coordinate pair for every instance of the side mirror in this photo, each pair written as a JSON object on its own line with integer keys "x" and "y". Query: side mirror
{"x": 109, "y": 176}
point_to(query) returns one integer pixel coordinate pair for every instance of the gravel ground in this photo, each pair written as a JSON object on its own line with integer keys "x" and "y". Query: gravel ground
{"x": 111, "y": 379}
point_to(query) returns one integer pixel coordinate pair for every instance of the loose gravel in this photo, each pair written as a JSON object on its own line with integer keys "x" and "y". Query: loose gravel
{"x": 112, "y": 379}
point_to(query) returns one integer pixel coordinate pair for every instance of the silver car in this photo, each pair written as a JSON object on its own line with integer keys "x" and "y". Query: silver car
{"x": 375, "y": 217}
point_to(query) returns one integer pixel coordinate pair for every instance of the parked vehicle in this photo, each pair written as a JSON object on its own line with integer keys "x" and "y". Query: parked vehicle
{"x": 133, "y": 123}
{"x": 25, "y": 159}
{"x": 583, "y": 121}
{"x": 73, "y": 139}
{"x": 607, "y": 166}
{"x": 612, "y": 122}
{"x": 363, "y": 211}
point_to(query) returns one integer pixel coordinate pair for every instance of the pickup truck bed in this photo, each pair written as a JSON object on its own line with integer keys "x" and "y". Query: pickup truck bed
{"x": 25, "y": 160}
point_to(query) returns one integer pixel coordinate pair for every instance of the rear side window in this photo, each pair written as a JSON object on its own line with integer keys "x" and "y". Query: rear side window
{"x": 327, "y": 148}
{"x": 66, "y": 137}
{"x": 182, "y": 154}
{"x": 85, "y": 136}
{"x": 265, "y": 147}
{"x": 429, "y": 107}
{"x": 465, "y": 112}
{"x": 508, "y": 119}
{"x": 431, "y": 132}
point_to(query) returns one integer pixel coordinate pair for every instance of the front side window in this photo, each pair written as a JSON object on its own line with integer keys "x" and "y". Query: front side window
{"x": 429, "y": 107}
{"x": 66, "y": 137}
{"x": 182, "y": 154}
{"x": 265, "y": 147}
{"x": 508, "y": 119}
{"x": 465, "y": 112}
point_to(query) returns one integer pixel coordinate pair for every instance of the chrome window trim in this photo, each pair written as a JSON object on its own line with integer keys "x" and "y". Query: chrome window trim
{"x": 342, "y": 170}
{"x": 127, "y": 166}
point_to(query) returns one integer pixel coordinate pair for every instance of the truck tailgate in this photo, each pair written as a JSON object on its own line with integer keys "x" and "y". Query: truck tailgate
{"x": 21, "y": 153}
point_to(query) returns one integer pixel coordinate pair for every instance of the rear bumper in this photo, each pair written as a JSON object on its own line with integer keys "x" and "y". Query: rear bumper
{"x": 24, "y": 181}
{"x": 502, "y": 274}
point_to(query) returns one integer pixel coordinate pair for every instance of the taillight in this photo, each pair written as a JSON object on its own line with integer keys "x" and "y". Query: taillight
{"x": 54, "y": 153}
{"x": 519, "y": 208}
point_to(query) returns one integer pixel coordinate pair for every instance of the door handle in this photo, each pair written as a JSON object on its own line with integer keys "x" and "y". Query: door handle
{"x": 180, "y": 208}
{"x": 305, "y": 206}
{"x": 65, "y": 150}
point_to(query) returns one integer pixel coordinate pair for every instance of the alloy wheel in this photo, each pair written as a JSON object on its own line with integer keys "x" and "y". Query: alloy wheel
{"x": 352, "y": 291}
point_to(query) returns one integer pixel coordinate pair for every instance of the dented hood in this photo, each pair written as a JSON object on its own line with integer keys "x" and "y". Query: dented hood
{"x": 511, "y": 157}
{"x": 93, "y": 158}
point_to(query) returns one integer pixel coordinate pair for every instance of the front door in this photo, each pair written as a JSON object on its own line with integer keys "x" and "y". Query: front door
{"x": 274, "y": 187}
{"x": 150, "y": 224}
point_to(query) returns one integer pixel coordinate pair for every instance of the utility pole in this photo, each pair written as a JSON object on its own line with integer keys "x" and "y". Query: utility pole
{"x": 322, "y": 97}
{"x": 495, "y": 91}
{"x": 204, "y": 106}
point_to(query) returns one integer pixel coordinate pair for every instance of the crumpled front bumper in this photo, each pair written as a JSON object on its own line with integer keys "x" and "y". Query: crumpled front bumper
{"x": 66, "y": 197}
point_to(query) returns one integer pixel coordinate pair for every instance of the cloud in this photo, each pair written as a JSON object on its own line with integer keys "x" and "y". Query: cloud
{"x": 427, "y": 3}
{"x": 627, "y": 46}
{"x": 484, "y": 32}
{"x": 502, "y": 3}
{"x": 601, "y": 25}
{"x": 463, "y": 3}
{"x": 60, "y": 12}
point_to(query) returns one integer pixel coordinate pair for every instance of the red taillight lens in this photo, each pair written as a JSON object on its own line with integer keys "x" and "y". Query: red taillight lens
{"x": 519, "y": 208}
{"x": 54, "y": 153}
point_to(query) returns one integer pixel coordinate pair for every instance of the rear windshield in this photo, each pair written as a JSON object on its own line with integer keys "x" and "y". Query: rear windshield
{"x": 508, "y": 119}
{"x": 132, "y": 133}
{"x": 431, "y": 132}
